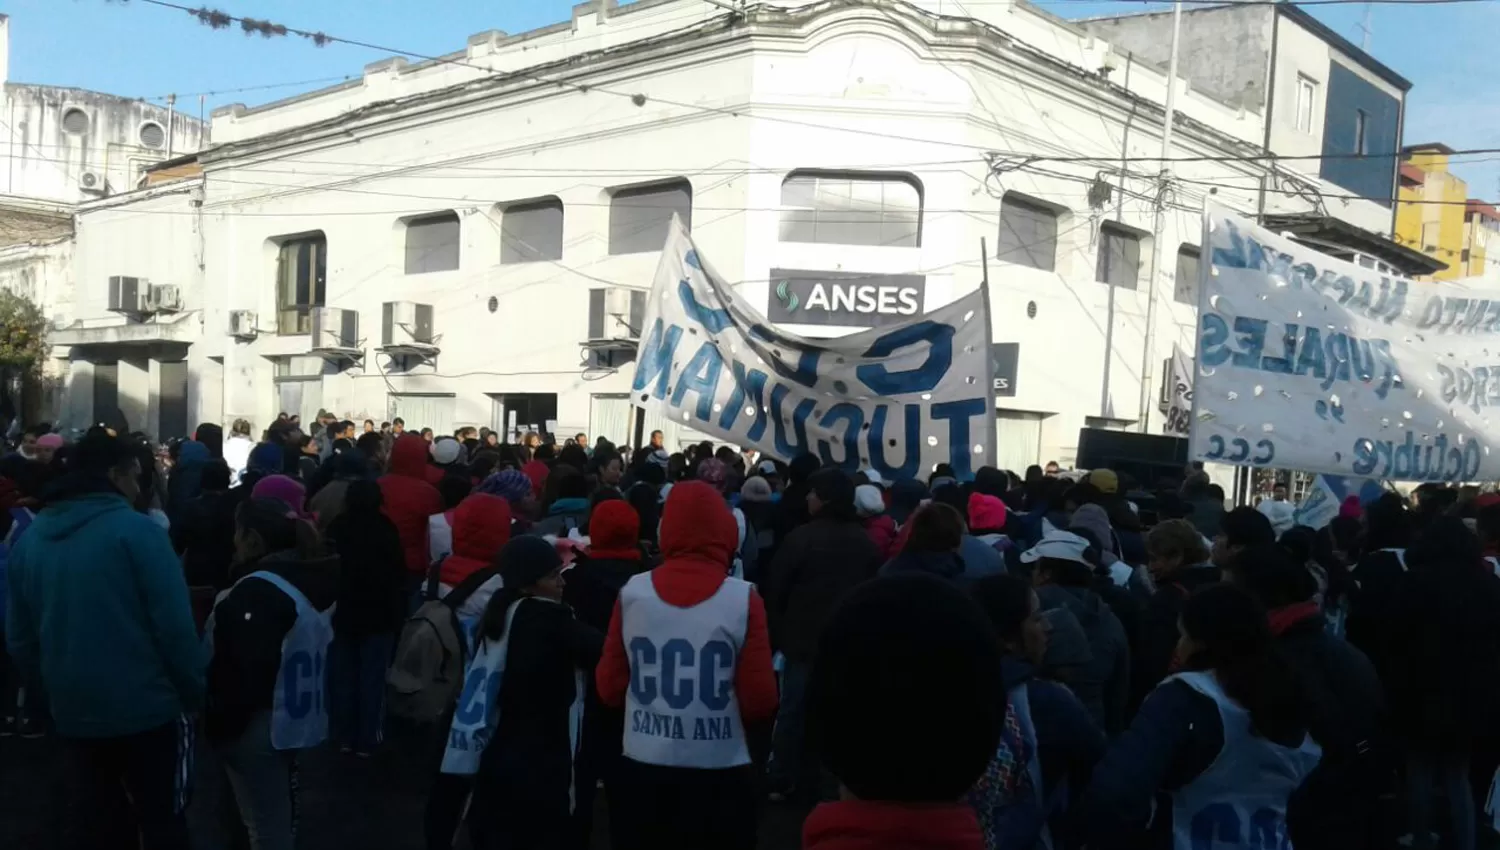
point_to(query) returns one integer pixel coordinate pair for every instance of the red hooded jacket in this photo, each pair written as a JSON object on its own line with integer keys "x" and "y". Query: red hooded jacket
{"x": 863, "y": 825}
{"x": 481, "y": 526}
{"x": 409, "y": 499}
{"x": 698, "y": 539}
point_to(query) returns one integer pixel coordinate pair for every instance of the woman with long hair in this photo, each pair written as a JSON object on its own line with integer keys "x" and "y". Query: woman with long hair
{"x": 1217, "y": 749}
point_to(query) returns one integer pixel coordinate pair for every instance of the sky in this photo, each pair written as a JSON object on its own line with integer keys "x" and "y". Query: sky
{"x": 127, "y": 47}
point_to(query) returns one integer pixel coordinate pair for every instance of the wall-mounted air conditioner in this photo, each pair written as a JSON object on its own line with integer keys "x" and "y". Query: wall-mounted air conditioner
{"x": 406, "y": 323}
{"x": 616, "y": 313}
{"x": 92, "y": 182}
{"x": 165, "y": 298}
{"x": 131, "y": 295}
{"x": 333, "y": 328}
{"x": 242, "y": 324}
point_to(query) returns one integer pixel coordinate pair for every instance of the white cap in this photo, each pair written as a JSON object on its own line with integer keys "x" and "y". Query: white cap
{"x": 873, "y": 477}
{"x": 868, "y": 500}
{"x": 1062, "y": 545}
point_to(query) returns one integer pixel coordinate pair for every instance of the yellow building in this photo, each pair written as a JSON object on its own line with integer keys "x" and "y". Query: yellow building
{"x": 1431, "y": 211}
{"x": 1481, "y": 238}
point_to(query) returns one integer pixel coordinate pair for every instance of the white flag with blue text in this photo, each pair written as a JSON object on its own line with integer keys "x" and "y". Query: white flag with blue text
{"x": 899, "y": 399}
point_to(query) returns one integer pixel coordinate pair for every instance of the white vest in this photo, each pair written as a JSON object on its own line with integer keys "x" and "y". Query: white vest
{"x": 478, "y": 711}
{"x": 1240, "y": 800}
{"x": 681, "y": 709}
{"x": 299, "y": 710}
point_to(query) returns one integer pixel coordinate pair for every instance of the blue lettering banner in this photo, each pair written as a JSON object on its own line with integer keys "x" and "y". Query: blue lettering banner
{"x": 899, "y": 399}
{"x": 1308, "y": 362}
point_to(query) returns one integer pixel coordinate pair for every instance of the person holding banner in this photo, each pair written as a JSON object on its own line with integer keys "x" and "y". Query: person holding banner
{"x": 688, "y": 658}
{"x": 269, "y": 635}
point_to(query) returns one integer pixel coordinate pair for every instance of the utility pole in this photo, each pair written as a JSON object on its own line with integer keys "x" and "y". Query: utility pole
{"x": 1164, "y": 182}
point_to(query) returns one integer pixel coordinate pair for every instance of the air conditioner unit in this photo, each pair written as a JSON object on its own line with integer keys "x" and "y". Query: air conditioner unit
{"x": 129, "y": 294}
{"x": 91, "y": 181}
{"x": 242, "y": 324}
{"x": 333, "y": 328}
{"x": 166, "y": 298}
{"x": 616, "y": 313}
{"x": 406, "y": 323}
{"x": 617, "y": 302}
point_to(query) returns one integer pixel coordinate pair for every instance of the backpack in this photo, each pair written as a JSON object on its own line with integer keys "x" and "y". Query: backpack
{"x": 427, "y": 671}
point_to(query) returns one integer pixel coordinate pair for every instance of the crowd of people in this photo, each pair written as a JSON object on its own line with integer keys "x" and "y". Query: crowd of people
{"x": 1047, "y": 660}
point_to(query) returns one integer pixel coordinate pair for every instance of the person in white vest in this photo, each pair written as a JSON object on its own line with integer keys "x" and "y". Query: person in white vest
{"x": 1225, "y": 742}
{"x": 689, "y": 659}
{"x": 269, "y": 636}
{"x": 518, "y": 724}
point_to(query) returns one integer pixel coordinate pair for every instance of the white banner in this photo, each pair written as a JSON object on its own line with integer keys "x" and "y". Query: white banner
{"x": 1308, "y": 362}
{"x": 1327, "y": 495}
{"x": 1180, "y": 398}
{"x": 899, "y": 399}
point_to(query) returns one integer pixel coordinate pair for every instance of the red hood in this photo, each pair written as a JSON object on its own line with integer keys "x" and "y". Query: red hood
{"x": 537, "y": 472}
{"x": 696, "y": 525}
{"x": 481, "y": 526}
{"x": 615, "y": 531}
{"x": 860, "y": 825}
{"x": 409, "y": 457}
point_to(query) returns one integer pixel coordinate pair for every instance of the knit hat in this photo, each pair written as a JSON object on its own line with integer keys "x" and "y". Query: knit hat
{"x": 905, "y": 701}
{"x": 1062, "y": 545}
{"x": 1105, "y": 480}
{"x": 288, "y": 490}
{"x": 714, "y": 473}
{"x": 868, "y": 500}
{"x": 873, "y": 477}
{"x": 265, "y": 457}
{"x": 527, "y": 559}
{"x": 446, "y": 450}
{"x": 50, "y": 441}
{"x": 1349, "y": 508}
{"x": 986, "y": 512}
{"x": 756, "y": 489}
{"x": 512, "y": 485}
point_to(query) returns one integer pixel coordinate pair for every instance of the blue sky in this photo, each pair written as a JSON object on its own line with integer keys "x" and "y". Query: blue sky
{"x": 135, "y": 49}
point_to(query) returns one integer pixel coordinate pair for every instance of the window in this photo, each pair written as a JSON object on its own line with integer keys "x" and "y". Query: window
{"x": 1464, "y": 256}
{"x": 432, "y": 243}
{"x": 1307, "y": 95}
{"x": 531, "y": 231}
{"x": 639, "y": 216}
{"x": 851, "y": 209}
{"x": 1119, "y": 256}
{"x": 301, "y": 281}
{"x": 1361, "y": 119}
{"x": 1186, "y": 289}
{"x": 1028, "y": 233}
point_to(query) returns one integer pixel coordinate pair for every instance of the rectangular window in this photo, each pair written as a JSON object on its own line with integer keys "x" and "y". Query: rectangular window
{"x": 1028, "y": 233}
{"x": 1361, "y": 146}
{"x": 432, "y": 243}
{"x": 1307, "y": 94}
{"x": 1119, "y": 257}
{"x": 1186, "y": 289}
{"x": 1464, "y": 258}
{"x": 531, "y": 231}
{"x": 639, "y": 216}
{"x": 301, "y": 282}
{"x": 851, "y": 209}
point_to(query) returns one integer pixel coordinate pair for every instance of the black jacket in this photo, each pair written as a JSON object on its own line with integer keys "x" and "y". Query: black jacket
{"x": 526, "y": 771}
{"x": 203, "y": 534}
{"x": 1374, "y": 608}
{"x": 372, "y": 575}
{"x": 1102, "y": 684}
{"x": 250, "y": 623}
{"x": 592, "y": 589}
{"x": 1158, "y": 638}
{"x": 814, "y": 567}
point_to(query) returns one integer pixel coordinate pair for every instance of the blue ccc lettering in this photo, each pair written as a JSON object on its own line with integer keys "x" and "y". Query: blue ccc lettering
{"x": 302, "y": 683}
{"x": 1221, "y": 825}
{"x": 1238, "y": 450}
{"x": 678, "y": 672}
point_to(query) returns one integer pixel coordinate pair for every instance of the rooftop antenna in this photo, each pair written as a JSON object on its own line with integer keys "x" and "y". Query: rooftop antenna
{"x": 1364, "y": 27}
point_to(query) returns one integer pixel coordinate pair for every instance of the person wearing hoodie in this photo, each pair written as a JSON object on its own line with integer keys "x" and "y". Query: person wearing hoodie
{"x": 816, "y": 565}
{"x": 1179, "y": 564}
{"x": 688, "y": 658}
{"x": 481, "y": 527}
{"x": 569, "y": 508}
{"x": 980, "y": 558}
{"x": 409, "y": 500}
{"x": 371, "y": 609}
{"x": 454, "y": 489}
{"x": 987, "y": 520}
{"x": 613, "y": 558}
{"x": 1338, "y": 804}
{"x": 933, "y": 539}
{"x": 121, "y": 686}
{"x": 715, "y": 474}
{"x": 186, "y": 479}
{"x": 1064, "y": 578}
{"x": 905, "y": 707}
{"x": 269, "y": 635}
{"x": 758, "y": 500}
{"x": 869, "y": 503}
{"x": 1050, "y": 744}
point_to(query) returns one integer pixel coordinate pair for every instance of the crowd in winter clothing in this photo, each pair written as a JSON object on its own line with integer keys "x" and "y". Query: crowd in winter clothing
{"x": 1056, "y": 660}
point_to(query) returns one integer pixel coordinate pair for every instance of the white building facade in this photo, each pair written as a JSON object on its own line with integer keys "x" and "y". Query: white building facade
{"x": 467, "y": 241}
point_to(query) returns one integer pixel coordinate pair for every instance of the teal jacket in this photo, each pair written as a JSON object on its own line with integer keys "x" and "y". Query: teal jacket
{"x": 99, "y": 607}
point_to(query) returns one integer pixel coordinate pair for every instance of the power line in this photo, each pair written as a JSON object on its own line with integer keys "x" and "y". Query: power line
{"x": 262, "y": 87}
